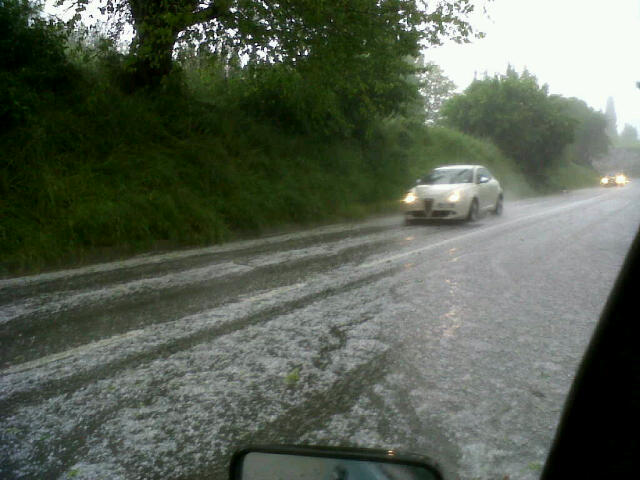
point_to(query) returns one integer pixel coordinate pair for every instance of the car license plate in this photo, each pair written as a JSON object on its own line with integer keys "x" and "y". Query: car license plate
{"x": 428, "y": 203}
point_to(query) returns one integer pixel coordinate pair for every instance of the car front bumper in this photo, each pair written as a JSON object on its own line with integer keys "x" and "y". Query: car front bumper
{"x": 431, "y": 209}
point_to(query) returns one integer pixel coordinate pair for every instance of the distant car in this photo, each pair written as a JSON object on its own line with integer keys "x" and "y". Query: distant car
{"x": 454, "y": 192}
{"x": 614, "y": 180}
{"x": 608, "y": 181}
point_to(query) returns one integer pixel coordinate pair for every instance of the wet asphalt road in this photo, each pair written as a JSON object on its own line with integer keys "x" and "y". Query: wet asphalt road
{"x": 459, "y": 341}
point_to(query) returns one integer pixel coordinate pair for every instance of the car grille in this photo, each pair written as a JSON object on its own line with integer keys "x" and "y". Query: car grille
{"x": 428, "y": 203}
{"x": 440, "y": 213}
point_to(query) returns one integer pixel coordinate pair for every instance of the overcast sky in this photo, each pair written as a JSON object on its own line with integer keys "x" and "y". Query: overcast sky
{"x": 588, "y": 49}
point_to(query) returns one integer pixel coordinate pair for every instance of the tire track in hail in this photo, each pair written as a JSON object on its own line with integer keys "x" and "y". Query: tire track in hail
{"x": 45, "y": 305}
{"x": 46, "y": 389}
{"x": 106, "y": 406}
{"x": 33, "y": 337}
{"x": 339, "y": 399}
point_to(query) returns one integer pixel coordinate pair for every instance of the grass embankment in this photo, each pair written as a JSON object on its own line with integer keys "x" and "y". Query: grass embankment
{"x": 116, "y": 174}
{"x": 129, "y": 172}
{"x": 569, "y": 176}
{"x": 442, "y": 145}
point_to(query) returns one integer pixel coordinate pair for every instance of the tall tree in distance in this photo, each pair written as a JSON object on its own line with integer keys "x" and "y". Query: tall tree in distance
{"x": 612, "y": 119}
{"x": 629, "y": 135}
{"x": 591, "y": 141}
{"x": 435, "y": 88}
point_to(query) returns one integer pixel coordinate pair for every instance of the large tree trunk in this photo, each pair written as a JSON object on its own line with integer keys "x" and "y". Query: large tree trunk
{"x": 151, "y": 58}
{"x": 157, "y": 24}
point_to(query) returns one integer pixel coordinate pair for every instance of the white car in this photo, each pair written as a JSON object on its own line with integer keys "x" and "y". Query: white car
{"x": 454, "y": 192}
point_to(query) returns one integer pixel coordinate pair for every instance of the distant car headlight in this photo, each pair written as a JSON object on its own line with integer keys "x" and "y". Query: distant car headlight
{"x": 620, "y": 179}
{"x": 604, "y": 180}
{"x": 410, "y": 198}
{"x": 454, "y": 197}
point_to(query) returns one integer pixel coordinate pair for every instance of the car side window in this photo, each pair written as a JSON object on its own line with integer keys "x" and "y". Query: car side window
{"x": 485, "y": 172}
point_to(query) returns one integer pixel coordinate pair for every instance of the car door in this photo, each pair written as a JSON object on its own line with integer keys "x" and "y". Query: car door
{"x": 484, "y": 188}
{"x": 493, "y": 190}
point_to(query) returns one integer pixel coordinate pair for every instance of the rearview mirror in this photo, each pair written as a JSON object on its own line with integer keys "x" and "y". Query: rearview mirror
{"x": 483, "y": 179}
{"x": 327, "y": 463}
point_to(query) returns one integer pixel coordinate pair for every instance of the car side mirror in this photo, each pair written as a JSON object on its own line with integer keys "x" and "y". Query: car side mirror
{"x": 328, "y": 463}
{"x": 418, "y": 181}
{"x": 483, "y": 179}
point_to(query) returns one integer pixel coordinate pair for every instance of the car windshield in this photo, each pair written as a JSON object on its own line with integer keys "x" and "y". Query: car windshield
{"x": 442, "y": 176}
{"x": 212, "y": 232}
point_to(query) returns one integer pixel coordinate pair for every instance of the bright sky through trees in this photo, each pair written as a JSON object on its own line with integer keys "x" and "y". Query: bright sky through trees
{"x": 583, "y": 48}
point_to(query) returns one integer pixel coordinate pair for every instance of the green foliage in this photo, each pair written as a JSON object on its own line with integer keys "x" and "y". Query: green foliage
{"x": 629, "y": 136}
{"x": 622, "y": 158}
{"x": 216, "y": 150}
{"x": 518, "y": 115}
{"x": 441, "y": 146}
{"x": 303, "y": 98}
{"x": 293, "y": 377}
{"x": 358, "y": 36}
{"x": 296, "y": 101}
{"x": 183, "y": 166}
{"x": 435, "y": 88}
{"x": 33, "y": 65}
{"x": 591, "y": 141}
{"x": 535, "y": 467}
{"x": 566, "y": 175}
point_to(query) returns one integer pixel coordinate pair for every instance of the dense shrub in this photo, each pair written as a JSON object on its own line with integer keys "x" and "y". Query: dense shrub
{"x": 33, "y": 64}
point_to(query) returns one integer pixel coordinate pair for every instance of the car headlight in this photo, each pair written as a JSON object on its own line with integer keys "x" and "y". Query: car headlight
{"x": 620, "y": 179}
{"x": 454, "y": 197}
{"x": 604, "y": 180}
{"x": 410, "y": 198}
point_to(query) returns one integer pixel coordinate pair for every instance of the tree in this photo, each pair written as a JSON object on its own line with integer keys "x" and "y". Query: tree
{"x": 33, "y": 64}
{"x": 591, "y": 139}
{"x": 612, "y": 120}
{"x": 435, "y": 88}
{"x": 287, "y": 31}
{"x": 629, "y": 135}
{"x": 518, "y": 115}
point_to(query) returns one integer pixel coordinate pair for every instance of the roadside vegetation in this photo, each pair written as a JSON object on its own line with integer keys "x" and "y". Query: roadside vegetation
{"x": 554, "y": 140}
{"x": 624, "y": 154}
{"x": 441, "y": 145}
{"x": 107, "y": 152}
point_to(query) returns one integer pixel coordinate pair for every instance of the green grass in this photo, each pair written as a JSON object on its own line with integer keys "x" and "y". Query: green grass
{"x": 534, "y": 467}
{"x": 105, "y": 175}
{"x": 90, "y": 173}
{"x": 293, "y": 377}
{"x": 570, "y": 176}
{"x": 445, "y": 146}
{"x": 123, "y": 174}
{"x": 118, "y": 174}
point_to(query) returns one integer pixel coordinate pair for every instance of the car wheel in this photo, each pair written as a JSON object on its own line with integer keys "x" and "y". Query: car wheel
{"x": 499, "y": 207}
{"x": 472, "y": 216}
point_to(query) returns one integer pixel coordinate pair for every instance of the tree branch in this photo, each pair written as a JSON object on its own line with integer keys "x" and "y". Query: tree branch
{"x": 214, "y": 11}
